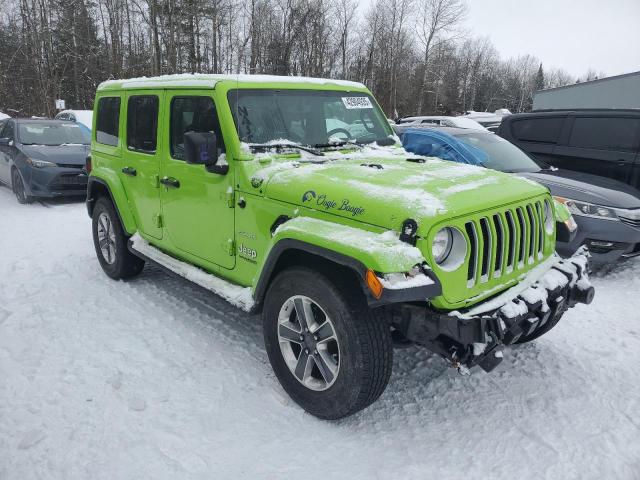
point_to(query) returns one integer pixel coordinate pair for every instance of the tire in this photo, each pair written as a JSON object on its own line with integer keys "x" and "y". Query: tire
{"x": 115, "y": 258}
{"x": 17, "y": 185}
{"x": 358, "y": 374}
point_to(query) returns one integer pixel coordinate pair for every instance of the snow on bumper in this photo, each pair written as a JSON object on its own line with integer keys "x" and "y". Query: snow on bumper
{"x": 529, "y": 309}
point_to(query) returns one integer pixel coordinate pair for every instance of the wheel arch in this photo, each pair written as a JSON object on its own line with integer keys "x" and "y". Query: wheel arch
{"x": 291, "y": 252}
{"x": 99, "y": 187}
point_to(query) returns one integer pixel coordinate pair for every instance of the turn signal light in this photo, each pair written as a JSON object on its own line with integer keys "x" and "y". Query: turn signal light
{"x": 373, "y": 282}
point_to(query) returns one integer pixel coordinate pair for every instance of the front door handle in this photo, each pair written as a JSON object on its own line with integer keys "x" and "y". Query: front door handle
{"x": 129, "y": 171}
{"x": 170, "y": 182}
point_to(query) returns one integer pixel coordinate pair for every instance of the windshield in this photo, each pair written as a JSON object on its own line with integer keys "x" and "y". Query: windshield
{"x": 497, "y": 153}
{"x": 42, "y": 133}
{"x": 314, "y": 118}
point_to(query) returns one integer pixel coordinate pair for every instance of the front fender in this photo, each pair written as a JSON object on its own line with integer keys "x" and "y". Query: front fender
{"x": 357, "y": 249}
{"x": 110, "y": 181}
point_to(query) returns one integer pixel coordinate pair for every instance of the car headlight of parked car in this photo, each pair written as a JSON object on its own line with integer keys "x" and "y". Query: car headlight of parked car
{"x": 591, "y": 210}
{"x": 449, "y": 248}
{"x": 40, "y": 163}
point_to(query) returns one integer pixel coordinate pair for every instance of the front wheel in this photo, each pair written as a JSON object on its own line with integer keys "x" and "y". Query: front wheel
{"x": 18, "y": 188}
{"x": 330, "y": 352}
{"x": 110, "y": 242}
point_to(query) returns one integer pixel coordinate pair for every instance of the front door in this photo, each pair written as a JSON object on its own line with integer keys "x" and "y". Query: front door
{"x": 196, "y": 204}
{"x": 141, "y": 160}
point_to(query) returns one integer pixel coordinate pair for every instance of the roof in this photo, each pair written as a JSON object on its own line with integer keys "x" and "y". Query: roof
{"x": 590, "y": 82}
{"x": 82, "y": 116}
{"x": 210, "y": 80}
{"x": 563, "y": 112}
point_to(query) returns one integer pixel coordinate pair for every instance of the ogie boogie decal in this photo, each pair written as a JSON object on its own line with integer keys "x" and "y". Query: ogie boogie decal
{"x": 329, "y": 204}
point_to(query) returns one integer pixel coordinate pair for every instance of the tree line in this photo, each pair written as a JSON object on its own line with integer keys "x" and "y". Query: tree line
{"x": 413, "y": 54}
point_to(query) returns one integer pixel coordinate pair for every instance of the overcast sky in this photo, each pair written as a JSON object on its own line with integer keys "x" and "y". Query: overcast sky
{"x": 571, "y": 34}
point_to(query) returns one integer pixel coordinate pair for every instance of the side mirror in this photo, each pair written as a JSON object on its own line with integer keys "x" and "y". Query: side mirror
{"x": 6, "y": 142}
{"x": 201, "y": 148}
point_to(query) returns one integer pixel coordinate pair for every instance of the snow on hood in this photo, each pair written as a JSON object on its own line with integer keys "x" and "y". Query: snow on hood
{"x": 379, "y": 186}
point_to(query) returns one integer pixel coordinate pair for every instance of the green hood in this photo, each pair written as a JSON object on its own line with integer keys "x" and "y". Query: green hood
{"x": 387, "y": 191}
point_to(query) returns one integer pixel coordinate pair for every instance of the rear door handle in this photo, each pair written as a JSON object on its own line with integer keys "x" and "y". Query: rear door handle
{"x": 170, "y": 182}
{"x": 129, "y": 171}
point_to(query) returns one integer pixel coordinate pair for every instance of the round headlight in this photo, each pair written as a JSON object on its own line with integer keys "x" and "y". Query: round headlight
{"x": 441, "y": 246}
{"x": 549, "y": 217}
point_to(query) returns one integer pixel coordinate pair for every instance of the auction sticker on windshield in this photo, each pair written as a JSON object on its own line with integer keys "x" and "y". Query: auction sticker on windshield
{"x": 356, "y": 102}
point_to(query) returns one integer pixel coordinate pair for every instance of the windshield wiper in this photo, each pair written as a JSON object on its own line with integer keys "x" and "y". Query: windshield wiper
{"x": 267, "y": 146}
{"x": 338, "y": 144}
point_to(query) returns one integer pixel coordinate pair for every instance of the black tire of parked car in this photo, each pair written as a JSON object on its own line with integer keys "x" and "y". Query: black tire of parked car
{"x": 17, "y": 185}
{"x": 125, "y": 265}
{"x": 365, "y": 345}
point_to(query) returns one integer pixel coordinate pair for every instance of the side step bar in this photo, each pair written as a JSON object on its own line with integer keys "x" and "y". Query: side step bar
{"x": 241, "y": 297}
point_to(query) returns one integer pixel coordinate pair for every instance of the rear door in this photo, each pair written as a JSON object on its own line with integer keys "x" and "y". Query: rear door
{"x": 538, "y": 136}
{"x": 197, "y": 204}
{"x": 605, "y": 146}
{"x": 140, "y": 172}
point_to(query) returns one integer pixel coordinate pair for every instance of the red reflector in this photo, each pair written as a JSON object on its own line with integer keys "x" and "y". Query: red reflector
{"x": 87, "y": 165}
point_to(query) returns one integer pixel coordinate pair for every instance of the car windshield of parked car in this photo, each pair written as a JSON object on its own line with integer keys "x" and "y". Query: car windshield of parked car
{"x": 497, "y": 153}
{"x": 42, "y": 133}
{"x": 311, "y": 118}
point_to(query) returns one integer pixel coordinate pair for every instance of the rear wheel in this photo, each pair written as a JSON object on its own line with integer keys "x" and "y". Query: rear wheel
{"x": 330, "y": 352}
{"x": 110, "y": 243}
{"x": 18, "y": 188}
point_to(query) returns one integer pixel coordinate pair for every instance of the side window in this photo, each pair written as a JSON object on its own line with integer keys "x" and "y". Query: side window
{"x": 108, "y": 121}
{"x": 9, "y": 131}
{"x": 192, "y": 114}
{"x": 2, "y": 123}
{"x": 605, "y": 133}
{"x": 142, "y": 123}
{"x": 540, "y": 130}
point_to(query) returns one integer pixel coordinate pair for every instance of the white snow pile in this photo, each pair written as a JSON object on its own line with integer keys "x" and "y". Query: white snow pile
{"x": 241, "y": 297}
{"x": 154, "y": 378}
{"x": 3, "y": 116}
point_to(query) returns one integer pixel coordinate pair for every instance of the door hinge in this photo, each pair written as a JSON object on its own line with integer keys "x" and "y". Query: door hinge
{"x": 231, "y": 198}
{"x": 157, "y": 220}
{"x": 232, "y": 247}
{"x": 156, "y": 181}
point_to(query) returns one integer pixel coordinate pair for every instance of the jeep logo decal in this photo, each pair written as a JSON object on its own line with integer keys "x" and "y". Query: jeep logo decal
{"x": 308, "y": 195}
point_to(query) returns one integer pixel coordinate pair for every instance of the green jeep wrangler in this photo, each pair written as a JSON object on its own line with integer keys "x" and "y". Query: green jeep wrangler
{"x": 292, "y": 196}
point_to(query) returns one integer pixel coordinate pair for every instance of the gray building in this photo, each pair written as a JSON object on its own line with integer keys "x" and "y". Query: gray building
{"x": 621, "y": 91}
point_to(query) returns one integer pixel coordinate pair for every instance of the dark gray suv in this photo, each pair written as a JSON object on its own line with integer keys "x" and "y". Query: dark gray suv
{"x": 43, "y": 158}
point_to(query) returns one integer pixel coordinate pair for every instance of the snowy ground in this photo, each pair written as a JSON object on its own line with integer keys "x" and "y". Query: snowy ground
{"x": 155, "y": 379}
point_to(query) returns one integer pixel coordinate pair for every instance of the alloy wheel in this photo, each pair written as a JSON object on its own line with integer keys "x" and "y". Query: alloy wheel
{"x": 308, "y": 343}
{"x": 106, "y": 238}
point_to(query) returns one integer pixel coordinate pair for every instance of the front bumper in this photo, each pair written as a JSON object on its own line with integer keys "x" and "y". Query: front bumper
{"x": 607, "y": 240}
{"x": 529, "y": 309}
{"x": 54, "y": 181}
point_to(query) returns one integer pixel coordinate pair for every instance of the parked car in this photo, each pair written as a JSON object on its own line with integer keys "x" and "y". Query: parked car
{"x": 43, "y": 158}
{"x": 444, "y": 121}
{"x": 607, "y": 211}
{"x": 84, "y": 118}
{"x": 343, "y": 246}
{"x": 599, "y": 142}
{"x": 491, "y": 121}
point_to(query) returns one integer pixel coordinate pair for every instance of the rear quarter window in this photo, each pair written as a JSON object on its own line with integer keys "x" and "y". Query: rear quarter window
{"x": 108, "y": 121}
{"x": 539, "y": 130}
{"x": 602, "y": 133}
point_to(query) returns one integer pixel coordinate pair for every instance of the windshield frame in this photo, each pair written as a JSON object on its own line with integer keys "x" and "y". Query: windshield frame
{"x": 378, "y": 114}
{"x": 49, "y": 124}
